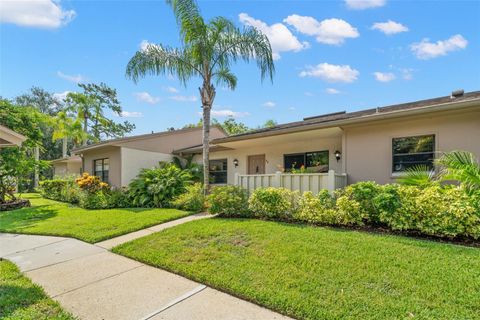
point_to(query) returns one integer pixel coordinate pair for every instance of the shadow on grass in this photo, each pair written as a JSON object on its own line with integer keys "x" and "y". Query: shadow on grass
{"x": 26, "y": 217}
{"x": 14, "y": 297}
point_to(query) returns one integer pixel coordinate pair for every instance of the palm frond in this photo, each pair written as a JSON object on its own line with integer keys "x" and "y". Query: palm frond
{"x": 420, "y": 176}
{"x": 225, "y": 77}
{"x": 232, "y": 44}
{"x": 190, "y": 21}
{"x": 159, "y": 60}
{"x": 461, "y": 166}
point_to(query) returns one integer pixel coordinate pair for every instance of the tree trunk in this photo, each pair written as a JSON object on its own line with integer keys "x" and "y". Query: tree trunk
{"x": 206, "y": 148}
{"x": 64, "y": 147}
{"x": 85, "y": 129}
{"x": 207, "y": 92}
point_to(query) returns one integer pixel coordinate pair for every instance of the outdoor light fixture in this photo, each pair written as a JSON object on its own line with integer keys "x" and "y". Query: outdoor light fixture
{"x": 338, "y": 155}
{"x": 235, "y": 162}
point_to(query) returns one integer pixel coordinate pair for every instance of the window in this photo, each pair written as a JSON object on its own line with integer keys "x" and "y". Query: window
{"x": 316, "y": 161}
{"x": 100, "y": 169}
{"x": 218, "y": 171}
{"x": 409, "y": 152}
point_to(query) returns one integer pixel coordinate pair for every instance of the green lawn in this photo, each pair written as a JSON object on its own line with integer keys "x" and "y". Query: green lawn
{"x": 48, "y": 217}
{"x": 21, "y": 299}
{"x": 320, "y": 273}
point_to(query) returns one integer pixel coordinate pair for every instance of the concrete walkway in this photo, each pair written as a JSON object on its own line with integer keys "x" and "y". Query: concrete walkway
{"x": 110, "y": 243}
{"x": 93, "y": 283}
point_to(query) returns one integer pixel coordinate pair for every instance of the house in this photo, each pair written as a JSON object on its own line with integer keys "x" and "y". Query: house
{"x": 118, "y": 161}
{"x": 67, "y": 166}
{"x": 9, "y": 138}
{"x": 376, "y": 144}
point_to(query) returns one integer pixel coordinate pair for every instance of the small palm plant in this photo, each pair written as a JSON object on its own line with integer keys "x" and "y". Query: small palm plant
{"x": 208, "y": 51}
{"x": 461, "y": 166}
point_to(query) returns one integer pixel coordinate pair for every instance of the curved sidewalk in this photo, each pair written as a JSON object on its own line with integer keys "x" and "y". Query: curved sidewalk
{"x": 94, "y": 283}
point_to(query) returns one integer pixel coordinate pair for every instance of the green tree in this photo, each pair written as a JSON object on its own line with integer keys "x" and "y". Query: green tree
{"x": 208, "y": 50}
{"x": 40, "y": 99}
{"x": 89, "y": 108}
{"x": 18, "y": 163}
{"x": 269, "y": 124}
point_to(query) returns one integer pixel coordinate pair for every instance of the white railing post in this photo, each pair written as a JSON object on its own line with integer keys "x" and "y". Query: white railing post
{"x": 236, "y": 181}
{"x": 277, "y": 181}
{"x": 331, "y": 181}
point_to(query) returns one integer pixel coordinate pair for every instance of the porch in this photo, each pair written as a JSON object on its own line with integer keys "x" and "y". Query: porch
{"x": 302, "y": 182}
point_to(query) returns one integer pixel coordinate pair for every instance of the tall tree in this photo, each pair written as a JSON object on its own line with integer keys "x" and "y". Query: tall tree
{"x": 40, "y": 99}
{"x": 208, "y": 50}
{"x": 89, "y": 108}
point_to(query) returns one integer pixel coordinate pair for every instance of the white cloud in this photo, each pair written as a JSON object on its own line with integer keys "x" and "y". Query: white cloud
{"x": 329, "y": 31}
{"x": 35, "y": 13}
{"x": 131, "y": 114}
{"x": 72, "y": 78}
{"x": 308, "y": 94}
{"x": 269, "y": 104}
{"x": 146, "y": 97}
{"x": 61, "y": 96}
{"x": 332, "y": 91}
{"x": 407, "y": 73}
{"x": 143, "y": 45}
{"x": 224, "y": 113}
{"x": 364, "y": 4}
{"x": 426, "y": 50}
{"x": 331, "y": 72}
{"x": 389, "y": 27}
{"x": 170, "y": 89}
{"x": 281, "y": 39}
{"x": 181, "y": 98}
{"x": 384, "y": 76}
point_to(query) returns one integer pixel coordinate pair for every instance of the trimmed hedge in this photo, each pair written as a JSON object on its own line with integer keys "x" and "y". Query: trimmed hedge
{"x": 65, "y": 190}
{"x": 444, "y": 211}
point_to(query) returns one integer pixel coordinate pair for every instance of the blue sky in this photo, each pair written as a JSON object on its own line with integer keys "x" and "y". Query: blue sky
{"x": 330, "y": 55}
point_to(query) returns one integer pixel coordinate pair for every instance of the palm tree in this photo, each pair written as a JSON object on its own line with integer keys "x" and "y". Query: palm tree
{"x": 208, "y": 51}
{"x": 66, "y": 127}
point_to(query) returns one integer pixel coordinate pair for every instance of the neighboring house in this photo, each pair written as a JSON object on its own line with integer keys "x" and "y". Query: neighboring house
{"x": 118, "y": 161}
{"x": 9, "y": 138}
{"x": 67, "y": 166}
{"x": 376, "y": 144}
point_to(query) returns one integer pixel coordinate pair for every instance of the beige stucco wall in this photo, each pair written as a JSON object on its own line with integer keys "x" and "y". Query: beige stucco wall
{"x": 112, "y": 153}
{"x": 133, "y": 160}
{"x": 63, "y": 169}
{"x": 275, "y": 147}
{"x": 368, "y": 147}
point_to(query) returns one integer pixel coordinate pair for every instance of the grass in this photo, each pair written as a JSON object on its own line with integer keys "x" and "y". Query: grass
{"x": 48, "y": 217}
{"x": 320, "y": 273}
{"x": 21, "y": 299}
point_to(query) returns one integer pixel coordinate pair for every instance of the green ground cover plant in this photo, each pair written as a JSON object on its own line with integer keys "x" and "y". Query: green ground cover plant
{"x": 21, "y": 299}
{"x": 48, "y": 217}
{"x": 312, "y": 272}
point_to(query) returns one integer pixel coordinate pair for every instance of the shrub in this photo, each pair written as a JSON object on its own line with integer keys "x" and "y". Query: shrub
{"x": 158, "y": 186}
{"x": 94, "y": 200}
{"x": 447, "y": 211}
{"x": 118, "y": 198}
{"x": 316, "y": 209}
{"x": 64, "y": 190}
{"x": 349, "y": 211}
{"x": 277, "y": 203}
{"x": 228, "y": 201}
{"x": 91, "y": 184}
{"x": 192, "y": 200}
{"x": 362, "y": 193}
{"x": 397, "y": 206}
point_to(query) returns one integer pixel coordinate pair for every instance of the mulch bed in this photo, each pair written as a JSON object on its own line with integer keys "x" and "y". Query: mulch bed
{"x": 16, "y": 204}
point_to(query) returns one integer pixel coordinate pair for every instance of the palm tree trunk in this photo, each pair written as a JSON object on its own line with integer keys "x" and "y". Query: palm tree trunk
{"x": 207, "y": 92}
{"x": 64, "y": 147}
{"x": 206, "y": 148}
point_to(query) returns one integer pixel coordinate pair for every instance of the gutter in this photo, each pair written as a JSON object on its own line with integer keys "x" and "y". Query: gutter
{"x": 371, "y": 117}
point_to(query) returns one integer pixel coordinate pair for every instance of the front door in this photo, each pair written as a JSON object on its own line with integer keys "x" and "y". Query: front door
{"x": 256, "y": 164}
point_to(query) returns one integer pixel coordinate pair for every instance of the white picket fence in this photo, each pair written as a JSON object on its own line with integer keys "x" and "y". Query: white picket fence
{"x": 313, "y": 182}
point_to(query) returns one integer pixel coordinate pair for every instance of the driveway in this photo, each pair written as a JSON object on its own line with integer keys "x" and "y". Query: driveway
{"x": 93, "y": 283}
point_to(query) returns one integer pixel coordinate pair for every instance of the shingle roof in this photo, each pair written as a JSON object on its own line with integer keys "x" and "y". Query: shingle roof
{"x": 339, "y": 116}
